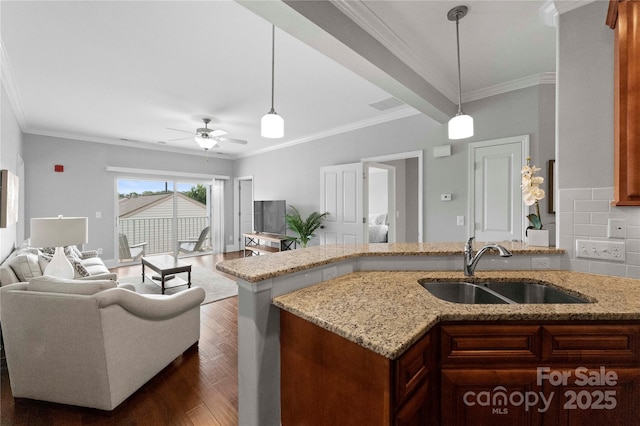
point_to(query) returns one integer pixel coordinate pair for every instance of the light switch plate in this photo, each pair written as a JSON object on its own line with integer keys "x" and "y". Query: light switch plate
{"x": 617, "y": 228}
{"x": 601, "y": 250}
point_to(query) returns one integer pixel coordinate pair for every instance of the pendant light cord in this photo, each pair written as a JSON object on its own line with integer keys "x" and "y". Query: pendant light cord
{"x": 459, "y": 77}
{"x": 273, "y": 64}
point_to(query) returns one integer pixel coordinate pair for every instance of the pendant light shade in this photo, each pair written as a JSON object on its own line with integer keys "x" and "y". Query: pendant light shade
{"x": 272, "y": 125}
{"x": 460, "y": 126}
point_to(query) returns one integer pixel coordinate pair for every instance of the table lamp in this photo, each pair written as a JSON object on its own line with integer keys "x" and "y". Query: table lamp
{"x": 59, "y": 232}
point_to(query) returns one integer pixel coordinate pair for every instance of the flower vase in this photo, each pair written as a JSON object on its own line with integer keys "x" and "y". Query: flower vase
{"x": 538, "y": 237}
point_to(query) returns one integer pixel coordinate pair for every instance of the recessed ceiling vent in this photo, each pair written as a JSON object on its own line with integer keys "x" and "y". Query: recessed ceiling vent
{"x": 386, "y": 104}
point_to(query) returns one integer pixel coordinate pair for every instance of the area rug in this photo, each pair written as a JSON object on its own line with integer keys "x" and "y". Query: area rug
{"x": 216, "y": 287}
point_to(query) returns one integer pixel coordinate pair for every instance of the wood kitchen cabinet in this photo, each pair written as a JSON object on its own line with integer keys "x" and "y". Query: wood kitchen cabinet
{"x": 513, "y": 373}
{"x": 329, "y": 380}
{"x": 571, "y": 374}
{"x": 624, "y": 17}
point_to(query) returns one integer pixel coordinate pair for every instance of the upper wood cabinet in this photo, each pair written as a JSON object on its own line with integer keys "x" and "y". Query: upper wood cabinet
{"x": 624, "y": 17}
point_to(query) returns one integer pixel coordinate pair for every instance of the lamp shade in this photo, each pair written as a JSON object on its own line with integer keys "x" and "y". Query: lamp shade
{"x": 205, "y": 143}
{"x": 59, "y": 231}
{"x": 461, "y": 126}
{"x": 272, "y": 125}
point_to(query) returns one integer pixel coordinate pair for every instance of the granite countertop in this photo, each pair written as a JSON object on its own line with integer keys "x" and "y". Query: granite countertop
{"x": 257, "y": 268}
{"x": 387, "y": 311}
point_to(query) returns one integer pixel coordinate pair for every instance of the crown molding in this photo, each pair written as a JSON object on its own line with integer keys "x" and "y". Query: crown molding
{"x": 563, "y": 6}
{"x": 395, "y": 115}
{"x": 509, "y": 86}
{"x": 10, "y": 86}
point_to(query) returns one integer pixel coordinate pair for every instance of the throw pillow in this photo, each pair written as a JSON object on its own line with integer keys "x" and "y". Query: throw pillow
{"x": 61, "y": 285}
{"x": 79, "y": 270}
{"x": 72, "y": 251}
{"x": 26, "y": 266}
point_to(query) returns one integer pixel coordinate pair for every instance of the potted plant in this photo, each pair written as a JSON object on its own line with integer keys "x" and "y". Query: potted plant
{"x": 305, "y": 228}
{"x": 531, "y": 195}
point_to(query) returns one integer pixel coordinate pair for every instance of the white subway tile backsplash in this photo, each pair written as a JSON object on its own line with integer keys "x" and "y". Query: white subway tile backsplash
{"x": 608, "y": 268}
{"x": 598, "y": 231}
{"x": 633, "y": 232}
{"x": 582, "y": 217}
{"x": 568, "y": 196}
{"x": 600, "y": 218}
{"x": 584, "y": 213}
{"x": 602, "y": 194}
{"x": 633, "y": 259}
{"x": 633, "y": 216}
{"x": 633, "y": 246}
{"x": 591, "y": 205}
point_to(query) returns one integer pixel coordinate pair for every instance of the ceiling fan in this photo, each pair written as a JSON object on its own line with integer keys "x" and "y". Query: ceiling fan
{"x": 208, "y": 138}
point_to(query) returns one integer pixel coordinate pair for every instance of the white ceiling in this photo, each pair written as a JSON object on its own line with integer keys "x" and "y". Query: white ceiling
{"x": 125, "y": 72}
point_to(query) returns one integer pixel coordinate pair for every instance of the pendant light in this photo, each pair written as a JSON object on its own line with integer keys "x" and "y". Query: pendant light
{"x": 460, "y": 126}
{"x": 272, "y": 125}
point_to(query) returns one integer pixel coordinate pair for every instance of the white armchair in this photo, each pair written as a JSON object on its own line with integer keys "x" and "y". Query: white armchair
{"x": 92, "y": 344}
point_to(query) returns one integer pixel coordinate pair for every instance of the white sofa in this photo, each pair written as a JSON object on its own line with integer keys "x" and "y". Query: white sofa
{"x": 90, "y": 343}
{"x": 26, "y": 262}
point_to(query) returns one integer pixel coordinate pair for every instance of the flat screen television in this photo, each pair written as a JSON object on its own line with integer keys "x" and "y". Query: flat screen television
{"x": 268, "y": 216}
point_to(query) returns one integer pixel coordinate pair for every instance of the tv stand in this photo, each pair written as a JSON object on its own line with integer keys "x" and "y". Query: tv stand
{"x": 259, "y": 243}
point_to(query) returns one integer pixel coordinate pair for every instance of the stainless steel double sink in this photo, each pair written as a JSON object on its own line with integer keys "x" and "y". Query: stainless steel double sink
{"x": 499, "y": 292}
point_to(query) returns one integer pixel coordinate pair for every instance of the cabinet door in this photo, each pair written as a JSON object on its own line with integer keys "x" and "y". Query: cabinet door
{"x": 578, "y": 403}
{"x": 415, "y": 412}
{"x": 490, "y": 397}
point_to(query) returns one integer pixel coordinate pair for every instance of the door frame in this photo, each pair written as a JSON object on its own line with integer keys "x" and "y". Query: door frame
{"x": 391, "y": 198}
{"x": 473, "y": 146}
{"x": 403, "y": 156}
{"x": 237, "y": 238}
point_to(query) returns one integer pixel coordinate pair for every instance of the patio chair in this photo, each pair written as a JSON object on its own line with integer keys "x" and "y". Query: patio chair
{"x": 133, "y": 252}
{"x": 193, "y": 246}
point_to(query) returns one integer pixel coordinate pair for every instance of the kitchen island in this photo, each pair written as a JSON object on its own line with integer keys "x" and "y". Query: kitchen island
{"x": 261, "y": 279}
{"x": 411, "y": 358}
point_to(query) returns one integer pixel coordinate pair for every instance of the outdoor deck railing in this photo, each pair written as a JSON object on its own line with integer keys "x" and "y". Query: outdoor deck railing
{"x": 157, "y": 232}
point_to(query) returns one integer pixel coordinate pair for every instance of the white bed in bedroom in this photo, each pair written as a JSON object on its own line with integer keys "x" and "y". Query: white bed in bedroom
{"x": 378, "y": 228}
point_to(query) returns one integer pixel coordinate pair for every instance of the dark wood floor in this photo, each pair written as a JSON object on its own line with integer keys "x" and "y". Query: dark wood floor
{"x": 198, "y": 388}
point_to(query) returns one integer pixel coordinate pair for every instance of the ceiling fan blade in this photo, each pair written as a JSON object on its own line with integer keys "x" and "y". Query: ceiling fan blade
{"x": 180, "y": 130}
{"x": 232, "y": 140}
{"x": 217, "y": 132}
{"x": 180, "y": 139}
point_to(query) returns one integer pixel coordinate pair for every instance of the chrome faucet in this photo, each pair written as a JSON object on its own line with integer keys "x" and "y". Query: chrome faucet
{"x": 471, "y": 260}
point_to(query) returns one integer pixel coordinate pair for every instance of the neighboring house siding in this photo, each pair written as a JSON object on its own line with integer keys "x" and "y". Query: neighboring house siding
{"x": 186, "y": 208}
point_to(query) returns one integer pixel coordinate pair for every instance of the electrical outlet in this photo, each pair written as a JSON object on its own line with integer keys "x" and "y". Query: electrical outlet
{"x": 460, "y": 220}
{"x": 617, "y": 228}
{"x": 601, "y": 250}
{"x": 329, "y": 273}
{"x": 540, "y": 263}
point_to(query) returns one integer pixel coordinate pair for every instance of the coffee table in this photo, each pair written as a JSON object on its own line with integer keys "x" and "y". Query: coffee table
{"x": 166, "y": 265}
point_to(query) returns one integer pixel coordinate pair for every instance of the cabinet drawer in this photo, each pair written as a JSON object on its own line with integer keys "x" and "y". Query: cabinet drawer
{"x": 610, "y": 344}
{"x": 411, "y": 369}
{"x": 490, "y": 344}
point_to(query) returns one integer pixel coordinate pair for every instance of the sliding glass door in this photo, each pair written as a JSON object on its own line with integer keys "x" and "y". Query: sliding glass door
{"x": 163, "y": 217}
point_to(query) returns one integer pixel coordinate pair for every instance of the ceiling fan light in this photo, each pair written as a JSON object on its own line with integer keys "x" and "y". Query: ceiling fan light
{"x": 205, "y": 143}
{"x": 272, "y": 125}
{"x": 461, "y": 126}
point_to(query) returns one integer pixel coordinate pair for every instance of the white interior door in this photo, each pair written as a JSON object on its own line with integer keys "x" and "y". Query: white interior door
{"x": 496, "y": 208}
{"x": 341, "y": 195}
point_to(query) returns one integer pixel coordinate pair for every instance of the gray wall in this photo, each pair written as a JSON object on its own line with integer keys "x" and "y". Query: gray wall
{"x": 585, "y": 98}
{"x": 85, "y": 187}
{"x": 11, "y": 159}
{"x": 293, "y": 173}
{"x": 586, "y": 141}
